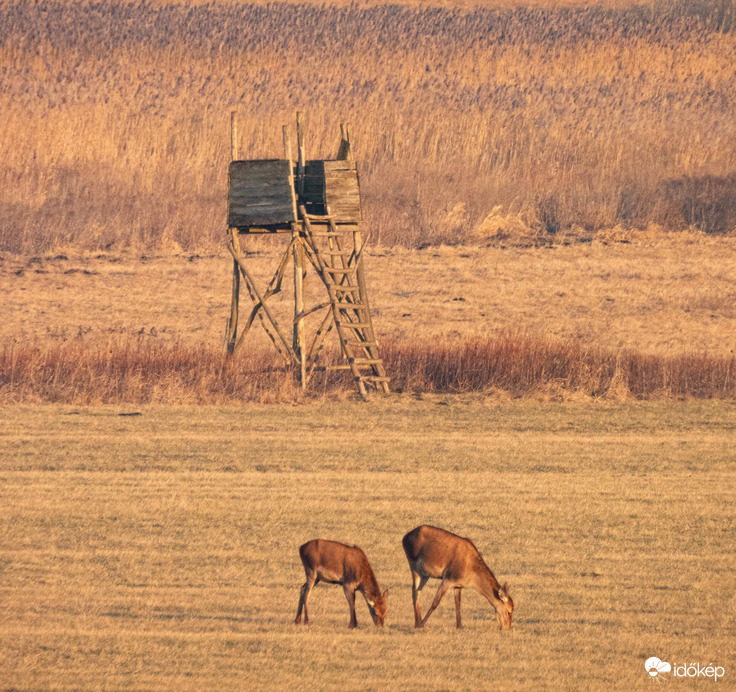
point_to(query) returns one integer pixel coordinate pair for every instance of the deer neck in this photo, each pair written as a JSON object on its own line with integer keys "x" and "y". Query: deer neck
{"x": 487, "y": 584}
{"x": 369, "y": 585}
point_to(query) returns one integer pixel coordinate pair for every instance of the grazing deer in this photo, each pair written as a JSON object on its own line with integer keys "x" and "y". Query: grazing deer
{"x": 456, "y": 561}
{"x": 336, "y": 563}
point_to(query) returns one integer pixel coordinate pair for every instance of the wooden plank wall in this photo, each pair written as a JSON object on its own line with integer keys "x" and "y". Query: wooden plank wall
{"x": 333, "y": 184}
{"x": 260, "y": 194}
{"x": 343, "y": 191}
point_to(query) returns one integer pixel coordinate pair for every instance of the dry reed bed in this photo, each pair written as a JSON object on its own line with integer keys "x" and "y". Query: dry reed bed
{"x": 490, "y": 123}
{"x": 142, "y": 372}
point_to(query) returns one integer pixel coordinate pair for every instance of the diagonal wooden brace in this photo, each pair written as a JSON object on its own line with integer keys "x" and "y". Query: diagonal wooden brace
{"x": 259, "y": 299}
{"x": 274, "y": 287}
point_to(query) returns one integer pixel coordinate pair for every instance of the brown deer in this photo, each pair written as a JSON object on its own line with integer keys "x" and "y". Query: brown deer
{"x": 336, "y": 563}
{"x": 439, "y": 554}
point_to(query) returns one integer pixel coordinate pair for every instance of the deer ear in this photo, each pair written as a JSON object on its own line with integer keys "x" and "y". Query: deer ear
{"x": 385, "y": 594}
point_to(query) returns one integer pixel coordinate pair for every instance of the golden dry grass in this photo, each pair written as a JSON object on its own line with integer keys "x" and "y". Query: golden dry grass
{"x": 159, "y": 551}
{"x": 115, "y": 116}
{"x": 147, "y": 373}
{"x": 670, "y": 296}
{"x": 642, "y": 319}
{"x": 153, "y": 547}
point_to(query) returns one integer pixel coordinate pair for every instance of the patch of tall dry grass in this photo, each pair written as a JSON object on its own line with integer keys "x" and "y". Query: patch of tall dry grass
{"x": 534, "y": 366}
{"x": 142, "y": 372}
{"x": 469, "y": 125}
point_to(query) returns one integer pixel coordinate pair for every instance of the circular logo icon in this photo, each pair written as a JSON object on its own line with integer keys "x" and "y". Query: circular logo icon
{"x": 657, "y": 668}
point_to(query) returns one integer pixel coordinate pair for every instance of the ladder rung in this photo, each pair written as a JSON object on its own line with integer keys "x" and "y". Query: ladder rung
{"x": 327, "y": 234}
{"x": 346, "y": 289}
{"x": 367, "y": 361}
{"x": 362, "y": 344}
{"x": 377, "y": 379}
{"x": 336, "y": 270}
{"x": 320, "y": 216}
{"x": 350, "y": 306}
{"x": 357, "y": 363}
{"x": 353, "y": 325}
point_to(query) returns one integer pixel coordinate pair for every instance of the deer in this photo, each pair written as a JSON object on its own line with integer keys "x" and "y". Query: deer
{"x": 337, "y": 563}
{"x": 438, "y": 554}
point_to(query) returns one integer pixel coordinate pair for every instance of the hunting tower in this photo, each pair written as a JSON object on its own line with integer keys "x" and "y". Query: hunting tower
{"x": 318, "y": 204}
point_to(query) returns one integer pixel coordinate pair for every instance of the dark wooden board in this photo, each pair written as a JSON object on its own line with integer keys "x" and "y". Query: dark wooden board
{"x": 259, "y": 193}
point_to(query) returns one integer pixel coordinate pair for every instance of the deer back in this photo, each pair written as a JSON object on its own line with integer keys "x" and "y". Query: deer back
{"x": 337, "y": 562}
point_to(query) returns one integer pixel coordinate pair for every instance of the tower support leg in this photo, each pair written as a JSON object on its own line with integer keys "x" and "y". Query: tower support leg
{"x": 232, "y": 323}
{"x": 298, "y": 343}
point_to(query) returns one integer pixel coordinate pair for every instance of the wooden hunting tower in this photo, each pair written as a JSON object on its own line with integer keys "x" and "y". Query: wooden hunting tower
{"x": 318, "y": 204}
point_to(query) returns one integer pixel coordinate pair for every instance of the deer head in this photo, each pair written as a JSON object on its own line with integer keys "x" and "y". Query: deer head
{"x": 377, "y": 608}
{"x": 504, "y": 608}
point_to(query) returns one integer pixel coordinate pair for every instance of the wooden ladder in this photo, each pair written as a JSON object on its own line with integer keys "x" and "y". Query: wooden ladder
{"x": 341, "y": 271}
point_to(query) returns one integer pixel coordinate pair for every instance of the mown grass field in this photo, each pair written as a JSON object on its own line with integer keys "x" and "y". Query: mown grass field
{"x": 664, "y": 295}
{"x": 159, "y": 551}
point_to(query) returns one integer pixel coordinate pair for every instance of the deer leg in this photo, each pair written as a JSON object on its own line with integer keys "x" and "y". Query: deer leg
{"x": 302, "y": 592}
{"x": 304, "y": 597}
{"x": 444, "y": 586}
{"x": 458, "y": 591}
{"x": 418, "y": 584}
{"x": 350, "y": 595}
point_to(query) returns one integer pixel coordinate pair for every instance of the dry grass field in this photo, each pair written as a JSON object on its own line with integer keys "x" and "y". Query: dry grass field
{"x": 667, "y": 295}
{"x": 549, "y": 194}
{"x": 159, "y": 550}
{"x": 652, "y": 317}
{"x": 480, "y": 123}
